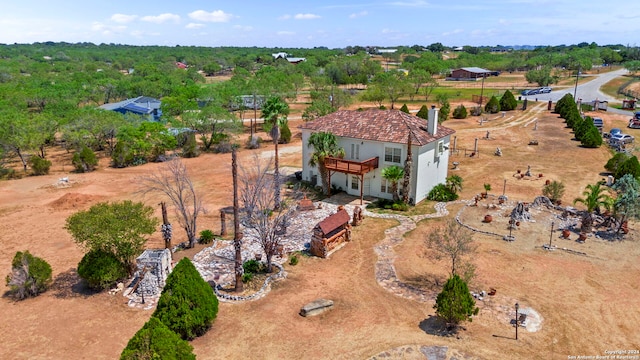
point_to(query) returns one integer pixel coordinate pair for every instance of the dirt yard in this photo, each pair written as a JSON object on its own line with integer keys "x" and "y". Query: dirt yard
{"x": 588, "y": 304}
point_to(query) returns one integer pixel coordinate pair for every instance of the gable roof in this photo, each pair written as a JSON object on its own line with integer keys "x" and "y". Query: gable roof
{"x": 476, "y": 70}
{"x": 392, "y": 126}
{"x": 334, "y": 221}
{"x": 140, "y": 104}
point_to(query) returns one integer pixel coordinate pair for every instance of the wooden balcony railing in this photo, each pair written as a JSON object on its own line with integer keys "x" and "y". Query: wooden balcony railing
{"x": 351, "y": 166}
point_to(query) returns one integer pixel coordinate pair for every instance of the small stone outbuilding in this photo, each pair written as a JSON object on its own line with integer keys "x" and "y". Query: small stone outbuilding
{"x": 330, "y": 233}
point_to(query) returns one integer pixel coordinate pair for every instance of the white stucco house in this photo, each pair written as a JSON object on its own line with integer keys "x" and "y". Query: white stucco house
{"x": 376, "y": 139}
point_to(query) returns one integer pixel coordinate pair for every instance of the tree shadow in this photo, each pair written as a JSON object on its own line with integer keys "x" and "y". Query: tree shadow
{"x": 426, "y": 282}
{"x": 433, "y": 325}
{"x": 68, "y": 285}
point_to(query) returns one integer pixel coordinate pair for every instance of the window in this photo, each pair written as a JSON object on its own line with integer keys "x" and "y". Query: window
{"x": 439, "y": 150}
{"x": 355, "y": 183}
{"x": 392, "y": 155}
{"x": 384, "y": 186}
{"x": 355, "y": 151}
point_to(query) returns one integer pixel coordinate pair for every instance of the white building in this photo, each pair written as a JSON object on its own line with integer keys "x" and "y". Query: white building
{"x": 376, "y": 139}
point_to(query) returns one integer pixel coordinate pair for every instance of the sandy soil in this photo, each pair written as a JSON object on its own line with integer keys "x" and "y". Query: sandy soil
{"x": 587, "y": 303}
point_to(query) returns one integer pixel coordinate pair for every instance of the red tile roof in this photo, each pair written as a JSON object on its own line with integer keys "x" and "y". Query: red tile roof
{"x": 377, "y": 125}
{"x": 334, "y": 221}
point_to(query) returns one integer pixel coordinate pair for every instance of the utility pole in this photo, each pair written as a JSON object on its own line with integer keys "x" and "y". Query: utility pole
{"x": 517, "y": 307}
{"x": 551, "y": 234}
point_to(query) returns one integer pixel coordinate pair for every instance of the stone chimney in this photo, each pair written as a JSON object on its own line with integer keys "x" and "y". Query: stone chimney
{"x": 432, "y": 120}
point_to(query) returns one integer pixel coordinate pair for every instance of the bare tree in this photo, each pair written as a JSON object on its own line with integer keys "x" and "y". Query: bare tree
{"x": 261, "y": 213}
{"x": 237, "y": 236}
{"x": 455, "y": 242}
{"x": 173, "y": 181}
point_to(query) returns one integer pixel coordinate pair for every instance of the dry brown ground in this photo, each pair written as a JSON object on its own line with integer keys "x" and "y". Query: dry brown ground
{"x": 589, "y": 304}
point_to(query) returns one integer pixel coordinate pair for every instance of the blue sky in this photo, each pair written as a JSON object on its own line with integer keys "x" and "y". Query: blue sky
{"x": 329, "y": 23}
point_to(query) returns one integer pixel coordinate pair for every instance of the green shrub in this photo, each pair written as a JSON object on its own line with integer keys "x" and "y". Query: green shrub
{"x": 592, "y": 137}
{"x": 460, "y": 112}
{"x": 30, "y": 276}
{"x": 617, "y": 160}
{"x": 122, "y": 155}
{"x": 246, "y": 277}
{"x": 476, "y": 111}
{"x": 630, "y": 166}
{"x": 441, "y": 192}
{"x": 252, "y": 266}
{"x": 285, "y": 133}
{"x": 253, "y": 143}
{"x": 190, "y": 146}
{"x": 400, "y": 206}
{"x": 404, "y": 108}
{"x": 508, "y": 102}
{"x": 156, "y": 341}
{"x": 493, "y": 106}
{"x": 423, "y": 113}
{"x": 206, "y": 236}
{"x": 187, "y": 305}
{"x": 39, "y": 165}
{"x": 84, "y": 160}
{"x": 224, "y": 147}
{"x": 101, "y": 269}
{"x": 293, "y": 260}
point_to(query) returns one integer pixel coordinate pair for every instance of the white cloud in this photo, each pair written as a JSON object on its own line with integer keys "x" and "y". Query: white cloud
{"x": 162, "y": 18}
{"x": 286, "y": 33}
{"x": 357, "y": 15}
{"x": 504, "y": 22}
{"x": 306, "y": 16}
{"x": 123, "y": 18}
{"x": 415, "y": 3}
{"x": 389, "y": 31}
{"x": 453, "y": 32}
{"x": 284, "y": 17}
{"x": 107, "y": 29}
{"x": 194, "y": 26}
{"x": 243, "y": 27}
{"x": 214, "y": 16}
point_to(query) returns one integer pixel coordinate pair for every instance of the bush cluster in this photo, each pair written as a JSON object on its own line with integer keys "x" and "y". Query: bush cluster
{"x": 622, "y": 164}
{"x": 101, "y": 269}
{"x": 30, "y": 276}
{"x": 508, "y": 102}
{"x": 188, "y": 306}
{"x": 441, "y": 192}
{"x": 156, "y": 341}
{"x": 493, "y": 105}
{"x": 390, "y": 205}
{"x": 206, "y": 237}
{"x": 84, "y": 160}
{"x": 584, "y": 129}
{"x": 39, "y": 165}
{"x": 460, "y": 112}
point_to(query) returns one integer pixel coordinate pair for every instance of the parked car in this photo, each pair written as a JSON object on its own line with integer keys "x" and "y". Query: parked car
{"x": 525, "y": 92}
{"x": 621, "y": 139}
{"x": 598, "y": 123}
{"x": 544, "y": 90}
{"x": 612, "y": 132}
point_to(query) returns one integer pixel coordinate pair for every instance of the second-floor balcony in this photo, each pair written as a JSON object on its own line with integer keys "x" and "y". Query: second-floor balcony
{"x": 351, "y": 166}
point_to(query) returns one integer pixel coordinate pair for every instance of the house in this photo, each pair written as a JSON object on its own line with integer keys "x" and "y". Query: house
{"x": 144, "y": 106}
{"x": 280, "y": 55}
{"x": 181, "y": 65}
{"x": 376, "y": 139}
{"x": 469, "y": 73}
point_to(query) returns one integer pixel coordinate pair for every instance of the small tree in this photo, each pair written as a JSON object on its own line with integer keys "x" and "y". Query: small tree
{"x": 393, "y": 174}
{"x": 460, "y": 112}
{"x": 101, "y": 269}
{"x": 508, "y": 102}
{"x": 627, "y": 204}
{"x": 267, "y": 222}
{"x": 187, "y": 305}
{"x": 404, "y": 108}
{"x": 39, "y": 165}
{"x": 618, "y": 159}
{"x": 591, "y": 138}
{"x": 173, "y": 181}
{"x": 455, "y": 303}
{"x": 454, "y": 183}
{"x": 156, "y": 341}
{"x": 493, "y": 106}
{"x": 630, "y": 166}
{"x": 423, "y": 113}
{"x": 84, "y": 160}
{"x": 553, "y": 190}
{"x": 325, "y": 144}
{"x": 455, "y": 242}
{"x": 30, "y": 276}
{"x": 117, "y": 228}
{"x": 445, "y": 108}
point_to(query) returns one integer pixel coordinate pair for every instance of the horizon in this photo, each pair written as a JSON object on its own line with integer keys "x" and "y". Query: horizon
{"x": 331, "y": 24}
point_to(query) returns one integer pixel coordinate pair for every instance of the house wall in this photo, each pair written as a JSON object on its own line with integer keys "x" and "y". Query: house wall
{"x": 463, "y": 74}
{"x": 429, "y": 169}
